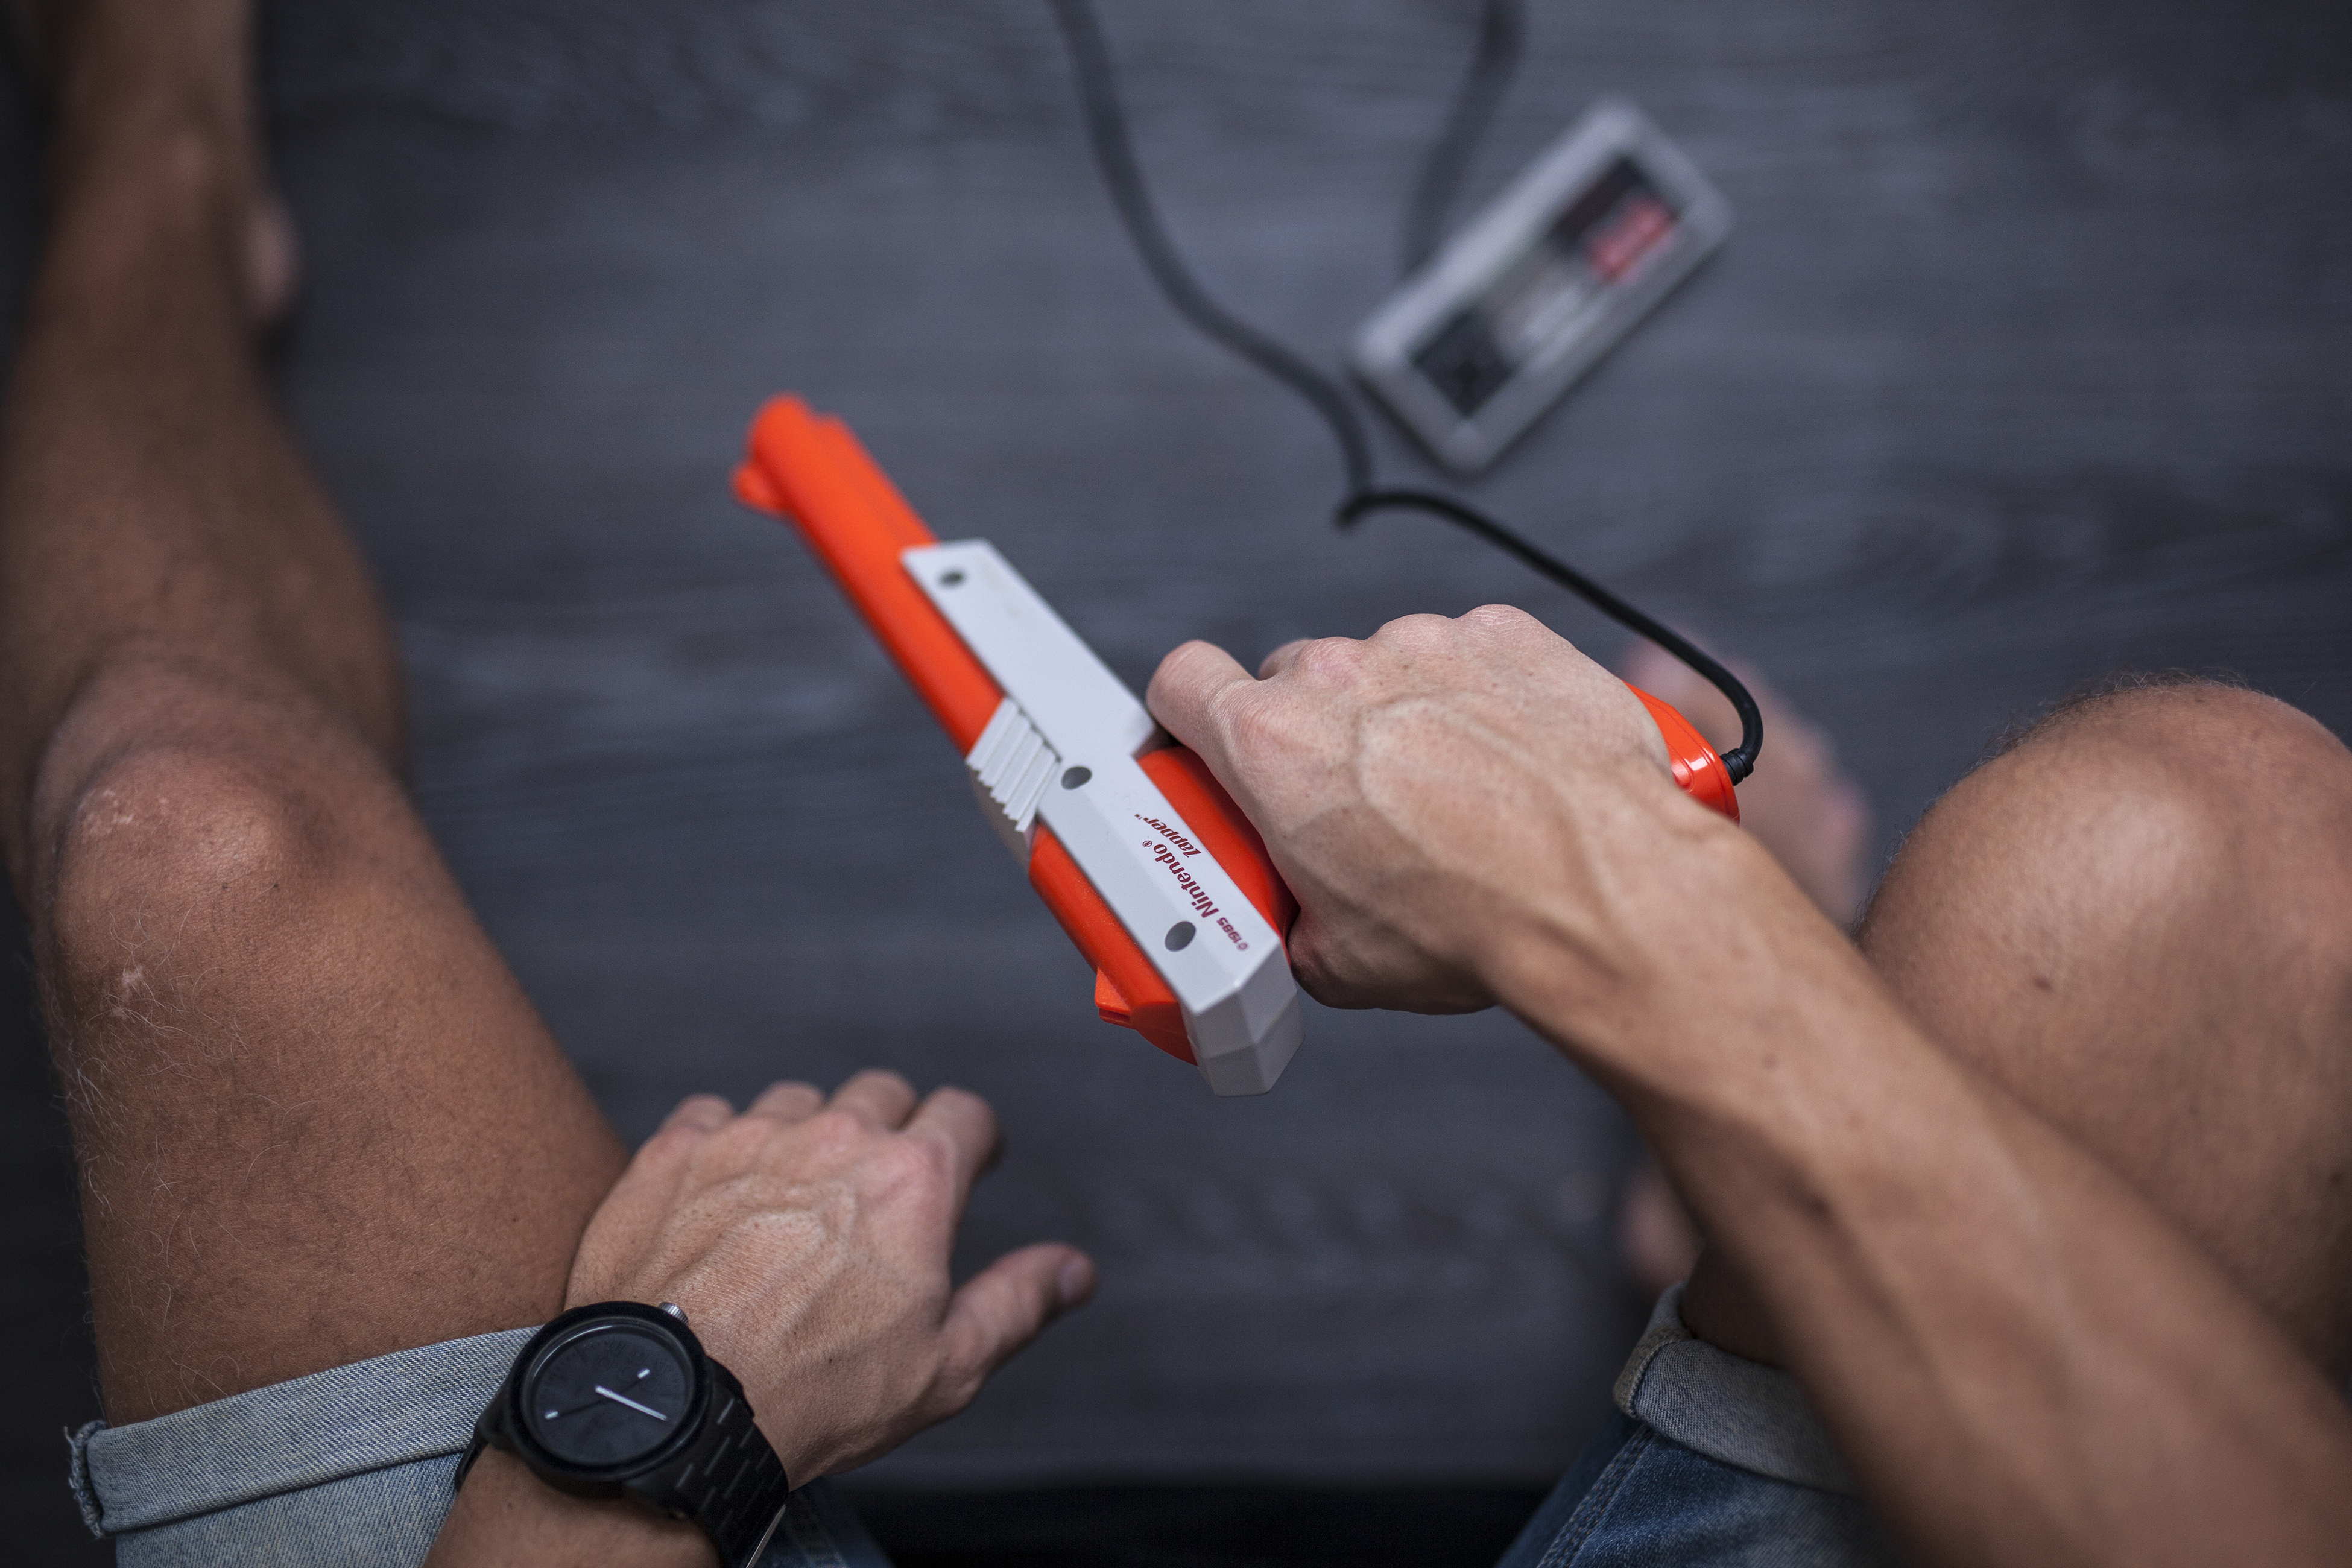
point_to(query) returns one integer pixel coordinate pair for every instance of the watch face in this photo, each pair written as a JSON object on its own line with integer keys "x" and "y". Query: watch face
{"x": 608, "y": 1395}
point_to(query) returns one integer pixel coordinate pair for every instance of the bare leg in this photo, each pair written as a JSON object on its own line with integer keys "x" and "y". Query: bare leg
{"x": 316, "y": 1119}
{"x": 2139, "y": 922}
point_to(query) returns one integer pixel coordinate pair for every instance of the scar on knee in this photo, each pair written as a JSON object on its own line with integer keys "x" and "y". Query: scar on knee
{"x": 105, "y": 810}
{"x": 148, "y": 850}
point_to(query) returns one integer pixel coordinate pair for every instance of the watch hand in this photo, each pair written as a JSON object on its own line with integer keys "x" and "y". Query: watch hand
{"x": 624, "y": 1399}
{"x": 643, "y": 1372}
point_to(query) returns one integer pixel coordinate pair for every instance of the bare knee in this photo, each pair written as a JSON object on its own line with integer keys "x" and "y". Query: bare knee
{"x": 2196, "y": 818}
{"x": 2240, "y": 759}
{"x": 156, "y": 867}
{"x": 2135, "y": 921}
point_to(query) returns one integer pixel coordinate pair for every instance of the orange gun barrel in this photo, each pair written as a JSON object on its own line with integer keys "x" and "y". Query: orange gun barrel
{"x": 811, "y": 470}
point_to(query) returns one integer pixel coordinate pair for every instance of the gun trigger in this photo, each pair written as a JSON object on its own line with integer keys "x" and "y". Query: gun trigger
{"x": 1110, "y": 1004}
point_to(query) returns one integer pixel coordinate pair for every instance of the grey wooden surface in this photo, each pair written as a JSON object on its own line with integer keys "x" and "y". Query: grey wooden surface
{"x": 2026, "y": 361}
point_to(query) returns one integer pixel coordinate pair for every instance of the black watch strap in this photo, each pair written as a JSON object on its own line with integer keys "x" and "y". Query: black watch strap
{"x": 730, "y": 1482}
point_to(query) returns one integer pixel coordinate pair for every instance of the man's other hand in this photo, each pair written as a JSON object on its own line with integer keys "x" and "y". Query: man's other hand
{"x": 807, "y": 1242}
{"x": 1428, "y": 794}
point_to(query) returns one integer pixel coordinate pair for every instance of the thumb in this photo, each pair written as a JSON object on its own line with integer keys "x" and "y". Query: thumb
{"x": 1005, "y": 1306}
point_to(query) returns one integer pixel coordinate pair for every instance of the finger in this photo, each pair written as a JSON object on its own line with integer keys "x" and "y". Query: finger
{"x": 877, "y": 1098}
{"x": 1339, "y": 975}
{"x": 1277, "y": 661}
{"x": 1003, "y": 1307}
{"x": 787, "y": 1102}
{"x": 707, "y": 1112}
{"x": 968, "y": 1127}
{"x": 1183, "y": 693}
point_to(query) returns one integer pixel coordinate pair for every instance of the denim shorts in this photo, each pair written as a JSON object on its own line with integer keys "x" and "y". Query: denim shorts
{"x": 350, "y": 1468}
{"x": 1708, "y": 1461}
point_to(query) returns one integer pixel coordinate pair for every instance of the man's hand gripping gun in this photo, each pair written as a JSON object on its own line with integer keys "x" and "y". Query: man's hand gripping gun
{"x": 1144, "y": 860}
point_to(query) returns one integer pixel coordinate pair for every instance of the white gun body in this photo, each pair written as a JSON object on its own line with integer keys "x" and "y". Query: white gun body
{"x": 1062, "y": 751}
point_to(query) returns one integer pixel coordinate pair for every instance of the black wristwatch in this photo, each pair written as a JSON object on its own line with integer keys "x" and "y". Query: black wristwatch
{"x": 620, "y": 1400}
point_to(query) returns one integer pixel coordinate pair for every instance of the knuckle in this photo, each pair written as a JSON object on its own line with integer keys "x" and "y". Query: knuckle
{"x": 674, "y": 1141}
{"x": 1415, "y": 633}
{"x": 1230, "y": 707}
{"x": 833, "y": 1130}
{"x": 1279, "y": 658}
{"x": 1329, "y": 661}
{"x": 734, "y": 1145}
{"x": 1500, "y": 618}
{"x": 907, "y": 1165}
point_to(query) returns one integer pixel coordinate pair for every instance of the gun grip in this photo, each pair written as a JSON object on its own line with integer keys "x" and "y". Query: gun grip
{"x": 1129, "y": 993}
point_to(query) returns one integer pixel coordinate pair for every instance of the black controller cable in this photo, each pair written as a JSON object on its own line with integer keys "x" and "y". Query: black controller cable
{"x": 1502, "y": 29}
{"x": 1114, "y": 151}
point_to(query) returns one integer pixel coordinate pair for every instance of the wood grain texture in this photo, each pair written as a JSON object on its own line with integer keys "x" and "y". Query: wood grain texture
{"x": 2026, "y": 361}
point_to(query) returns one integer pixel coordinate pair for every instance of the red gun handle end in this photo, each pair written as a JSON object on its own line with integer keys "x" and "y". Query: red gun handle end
{"x": 1695, "y": 766}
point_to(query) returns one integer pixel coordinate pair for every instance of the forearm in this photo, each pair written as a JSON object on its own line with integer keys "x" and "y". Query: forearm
{"x": 2020, "y": 1360}
{"x": 506, "y": 1516}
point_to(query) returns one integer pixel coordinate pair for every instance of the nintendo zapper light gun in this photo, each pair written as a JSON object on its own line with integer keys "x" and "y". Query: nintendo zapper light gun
{"x": 1138, "y": 852}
